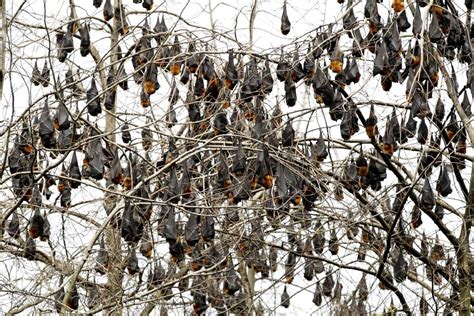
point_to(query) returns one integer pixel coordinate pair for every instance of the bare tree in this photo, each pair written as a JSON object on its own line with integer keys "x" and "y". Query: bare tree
{"x": 152, "y": 164}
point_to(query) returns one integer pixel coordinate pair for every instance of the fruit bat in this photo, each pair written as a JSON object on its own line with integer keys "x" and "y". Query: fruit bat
{"x": 97, "y": 3}
{"x": 427, "y": 200}
{"x": 290, "y": 265}
{"x": 223, "y": 177}
{"x": 45, "y": 75}
{"x": 207, "y": 228}
{"x": 207, "y": 70}
{"x": 62, "y": 54}
{"x": 220, "y": 123}
{"x": 357, "y": 44}
{"x": 231, "y": 281}
{"x": 371, "y": 123}
{"x": 67, "y": 43}
{"x": 150, "y": 83}
{"x": 191, "y": 230}
{"x": 108, "y": 11}
{"x": 199, "y": 303}
{"x": 435, "y": 33}
{"x": 36, "y": 226}
{"x": 281, "y": 185}
{"x": 160, "y": 29}
{"x": 74, "y": 172}
{"x": 29, "y": 251}
{"x": 122, "y": 25}
{"x": 400, "y": 268}
{"x": 122, "y": 75}
{"x": 267, "y": 79}
{"x": 175, "y": 64}
{"x": 362, "y": 165}
{"x": 132, "y": 263}
{"x": 333, "y": 243}
{"x": 348, "y": 124}
{"x": 466, "y": 105}
{"x": 439, "y": 211}
{"x": 85, "y": 40}
{"x": 402, "y": 21}
{"x": 66, "y": 197}
{"x": 422, "y": 132}
{"x": 290, "y": 92}
{"x": 362, "y": 288}
{"x": 199, "y": 89}
{"x": 336, "y": 109}
{"x": 170, "y": 230}
{"x": 109, "y": 101}
{"x": 349, "y": 21}
{"x": 36, "y": 75}
{"x": 308, "y": 269}
{"x": 147, "y": 138}
{"x": 297, "y": 72}
{"x": 194, "y": 60}
{"x": 437, "y": 253}
{"x": 381, "y": 60}
{"x": 443, "y": 185}
{"x": 46, "y": 129}
{"x": 452, "y": 129}
{"x": 409, "y": 128}
{"x": 285, "y": 22}
{"x": 372, "y": 14}
{"x": 285, "y": 298}
{"x": 96, "y": 164}
{"x": 317, "y": 297}
{"x": 389, "y": 140}
{"x": 196, "y": 263}
{"x": 13, "y": 228}
{"x": 132, "y": 229}
{"x": 328, "y": 285}
{"x": 240, "y": 161}
{"x": 116, "y": 171}
{"x": 318, "y": 239}
{"x": 259, "y": 129}
{"x": 417, "y": 21}
{"x": 231, "y": 76}
{"x": 147, "y": 4}
{"x": 283, "y": 68}
{"x": 263, "y": 173}
{"x": 156, "y": 276}
{"x": 102, "y": 258}
{"x": 288, "y": 135}
{"x": 319, "y": 44}
{"x": 93, "y": 100}
{"x": 46, "y": 229}
{"x": 351, "y": 72}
